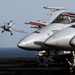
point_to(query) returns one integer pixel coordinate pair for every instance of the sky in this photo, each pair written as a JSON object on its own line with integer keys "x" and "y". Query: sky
{"x": 21, "y": 11}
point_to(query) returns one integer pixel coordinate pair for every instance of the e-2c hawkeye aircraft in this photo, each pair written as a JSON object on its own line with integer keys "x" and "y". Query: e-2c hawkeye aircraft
{"x": 60, "y": 19}
{"x": 10, "y": 27}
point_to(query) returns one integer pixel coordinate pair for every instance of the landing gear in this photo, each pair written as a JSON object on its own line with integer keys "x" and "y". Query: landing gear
{"x": 2, "y": 31}
{"x": 44, "y": 59}
{"x": 11, "y": 33}
{"x": 71, "y": 62}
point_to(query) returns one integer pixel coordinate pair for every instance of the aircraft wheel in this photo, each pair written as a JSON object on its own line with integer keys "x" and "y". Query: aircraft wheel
{"x": 11, "y": 33}
{"x": 71, "y": 70}
{"x": 2, "y": 31}
{"x": 70, "y": 65}
{"x": 42, "y": 61}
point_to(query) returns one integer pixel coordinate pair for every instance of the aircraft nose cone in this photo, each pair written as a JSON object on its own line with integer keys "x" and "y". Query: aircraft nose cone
{"x": 50, "y": 42}
{"x": 21, "y": 44}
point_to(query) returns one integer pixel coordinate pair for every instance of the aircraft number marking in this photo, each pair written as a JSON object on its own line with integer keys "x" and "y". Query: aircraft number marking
{"x": 54, "y": 31}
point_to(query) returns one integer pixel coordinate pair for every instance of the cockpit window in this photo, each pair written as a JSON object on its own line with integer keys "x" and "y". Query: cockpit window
{"x": 62, "y": 19}
{"x": 72, "y": 16}
{"x": 65, "y": 18}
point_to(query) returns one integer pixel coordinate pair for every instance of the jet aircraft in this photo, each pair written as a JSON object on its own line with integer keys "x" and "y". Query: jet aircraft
{"x": 64, "y": 40}
{"x": 35, "y": 41}
{"x": 10, "y": 27}
{"x": 66, "y": 36}
{"x": 57, "y": 24}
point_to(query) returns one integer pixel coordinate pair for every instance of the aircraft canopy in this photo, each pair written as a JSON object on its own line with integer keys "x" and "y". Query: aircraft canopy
{"x": 65, "y": 18}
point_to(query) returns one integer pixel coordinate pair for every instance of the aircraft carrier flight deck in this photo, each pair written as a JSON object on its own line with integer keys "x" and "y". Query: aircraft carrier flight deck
{"x": 28, "y": 66}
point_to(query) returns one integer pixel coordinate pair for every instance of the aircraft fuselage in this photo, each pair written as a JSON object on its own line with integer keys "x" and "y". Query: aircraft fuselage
{"x": 35, "y": 40}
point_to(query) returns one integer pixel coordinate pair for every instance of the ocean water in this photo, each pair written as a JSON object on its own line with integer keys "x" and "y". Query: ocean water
{"x": 16, "y": 53}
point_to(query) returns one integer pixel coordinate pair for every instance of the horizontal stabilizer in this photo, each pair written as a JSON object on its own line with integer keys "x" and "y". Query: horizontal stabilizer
{"x": 34, "y": 23}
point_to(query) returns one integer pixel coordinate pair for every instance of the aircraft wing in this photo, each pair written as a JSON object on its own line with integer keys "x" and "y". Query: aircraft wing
{"x": 1, "y": 26}
{"x": 18, "y": 30}
{"x": 37, "y": 25}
